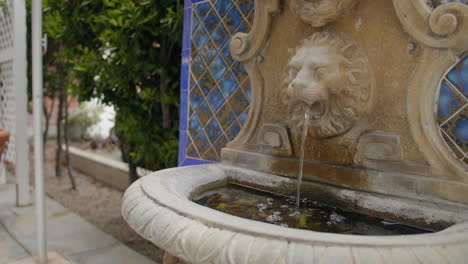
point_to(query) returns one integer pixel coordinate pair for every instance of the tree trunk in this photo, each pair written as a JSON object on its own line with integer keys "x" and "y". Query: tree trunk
{"x": 58, "y": 155}
{"x": 67, "y": 149}
{"x": 125, "y": 149}
{"x": 47, "y": 116}
{"x": 132, "y": 170}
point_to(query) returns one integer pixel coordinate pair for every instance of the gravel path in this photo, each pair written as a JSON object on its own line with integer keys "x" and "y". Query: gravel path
{"x": 97, "y": 203}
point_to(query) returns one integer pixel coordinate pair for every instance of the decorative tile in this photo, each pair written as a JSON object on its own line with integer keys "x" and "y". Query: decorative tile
{"x": 198, "y": 66}
{"x": 222, "y": 7}
{"x": 203, "y": 113}
{"x": 228, "y": 84}
{"x": 192, "y": 152}
{"x": 226, "y": 53}
{"x": 213, "y": 130}
{"x": 202, "y": 9}
{"x": 239, "y": 71}
{"x": 195, "y": 23}
{"x": 194, "y": 125}
{"x": 218, "y": 93}
{"x": 211, "y": 21}
{"x": 220, "y": 36}
{"x": 206, "y": 83}
{"x": 247, "y": 90}
{"x": 250, "y": 18}
{"x": 200, "y": 36}
{"x": 246, "y": 6}
{"x": 201, "y": 143}
{"x": 456, "y": 150}
{"x": 208, "y": 52}
{"x": 450, "y": 101}
{"x": 225, "y": 116}
{"x": 196, "y": 96}
{"x": 210, "y": 155}
{"x": 216, "y": 99}
{"x": 233, "y": 19}
{"x": 218, "y": 67}
{"x": 452, "y": 109}
{"x": 458, "y": 76}
{"x": 233, "y": 131}
{"x": 457, "y": 129}
{"x": 220, "y": 143}
{"x": 238, "y": 102}
{"x": 243, "y": 117}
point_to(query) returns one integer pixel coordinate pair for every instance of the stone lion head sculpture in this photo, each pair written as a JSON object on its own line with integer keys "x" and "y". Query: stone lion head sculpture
{"x": 321, "y": 12}
{"x": 328, "y": 75}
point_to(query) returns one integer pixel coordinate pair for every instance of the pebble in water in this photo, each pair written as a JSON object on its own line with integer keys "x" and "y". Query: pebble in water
{"x": 275, "y": 217}
{"x": 261, "y": 207}
{"x": 270, "y": 201}
{"x": 336, "y": 218}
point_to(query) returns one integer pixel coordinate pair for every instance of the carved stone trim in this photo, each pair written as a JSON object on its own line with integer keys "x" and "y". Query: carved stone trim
{"x": 274, "y": 139}
{"x": 320, "y": 13}
{"x": 443, "y": 27}
{"x": 245, "y": 46}
{"x": 158, "y": 208}
{"x": 432, "y": 66}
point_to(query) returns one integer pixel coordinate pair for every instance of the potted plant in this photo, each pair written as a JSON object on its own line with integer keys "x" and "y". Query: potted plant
{"x": 4, "y": 136}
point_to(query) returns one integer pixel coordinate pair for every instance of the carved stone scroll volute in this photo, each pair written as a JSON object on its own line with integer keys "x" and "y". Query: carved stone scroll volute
{"x": 443, "y": 27}
{"x": 245, "y": 46}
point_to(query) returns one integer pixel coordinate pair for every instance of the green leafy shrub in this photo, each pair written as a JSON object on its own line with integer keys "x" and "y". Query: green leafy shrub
{"x": 127, "y": 54}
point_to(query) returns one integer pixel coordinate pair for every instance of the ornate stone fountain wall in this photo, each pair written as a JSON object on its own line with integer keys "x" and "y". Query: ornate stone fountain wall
{"x": 371, "y": 72}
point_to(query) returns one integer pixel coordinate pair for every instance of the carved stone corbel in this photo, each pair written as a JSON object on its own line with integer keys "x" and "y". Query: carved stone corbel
{"x": 245, "y": 46}
{"x": 443, "y": 27}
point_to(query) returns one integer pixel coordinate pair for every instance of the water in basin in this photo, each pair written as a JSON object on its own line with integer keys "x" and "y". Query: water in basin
{"x": 281, "y": 210}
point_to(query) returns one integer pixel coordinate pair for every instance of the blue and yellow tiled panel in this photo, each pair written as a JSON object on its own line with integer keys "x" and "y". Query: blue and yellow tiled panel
{"x": 452, "y": 109}
{"x": 215, "y": 89}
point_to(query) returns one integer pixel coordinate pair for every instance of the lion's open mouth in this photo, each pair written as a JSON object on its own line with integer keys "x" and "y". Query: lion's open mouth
{"x": 317, "y": 110}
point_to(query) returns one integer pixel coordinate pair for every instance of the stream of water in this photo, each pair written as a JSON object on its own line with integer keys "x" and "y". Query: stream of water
{"x": 301, "y": 158}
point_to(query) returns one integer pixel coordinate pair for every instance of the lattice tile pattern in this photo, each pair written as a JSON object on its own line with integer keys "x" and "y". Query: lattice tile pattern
{"x": 219, "y": 92}
{"x": 6, "y": 29}
{"x": 7, "y": 107}
{"x": 452, "y": 109}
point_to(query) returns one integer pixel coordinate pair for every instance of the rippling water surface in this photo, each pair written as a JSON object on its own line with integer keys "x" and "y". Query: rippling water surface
{"x": 282, "y": 211}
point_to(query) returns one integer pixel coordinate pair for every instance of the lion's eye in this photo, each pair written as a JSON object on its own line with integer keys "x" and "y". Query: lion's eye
{"x": 320, "y": 73}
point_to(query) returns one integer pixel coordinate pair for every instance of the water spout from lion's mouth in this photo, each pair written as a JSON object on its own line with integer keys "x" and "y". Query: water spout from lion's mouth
{"x": 317, "y": 111}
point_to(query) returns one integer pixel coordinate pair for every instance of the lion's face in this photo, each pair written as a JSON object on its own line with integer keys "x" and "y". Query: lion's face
{"x": 332, "y": 86}
{"x": 321, "y": 12}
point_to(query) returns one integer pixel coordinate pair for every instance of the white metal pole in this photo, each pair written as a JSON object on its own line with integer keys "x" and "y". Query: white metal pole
{"x": 23, "y": 196}
{"x": 38, "y": 141}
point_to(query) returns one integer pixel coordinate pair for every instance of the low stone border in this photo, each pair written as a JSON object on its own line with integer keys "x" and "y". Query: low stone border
{"x": 103, "y": 169}
{"x": 159, "y": 209}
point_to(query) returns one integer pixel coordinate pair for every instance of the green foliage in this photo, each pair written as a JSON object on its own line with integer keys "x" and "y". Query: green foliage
{"x": 125, "y": 53}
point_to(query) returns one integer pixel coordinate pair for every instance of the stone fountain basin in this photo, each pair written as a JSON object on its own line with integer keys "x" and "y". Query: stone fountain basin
{"x": 159, "y": 208}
